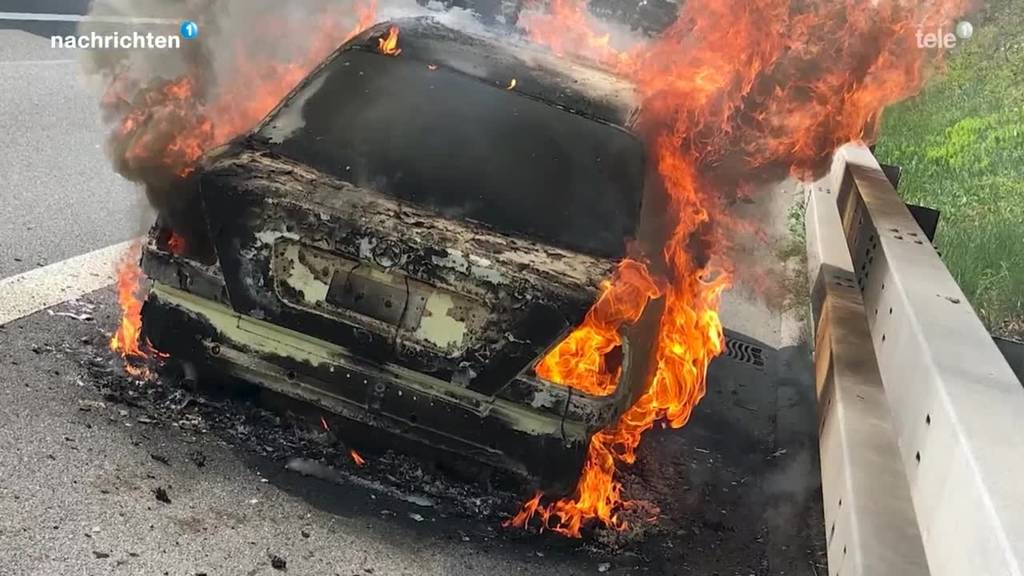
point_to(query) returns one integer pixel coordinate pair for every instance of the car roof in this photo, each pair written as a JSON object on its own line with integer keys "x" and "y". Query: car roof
{"x": 577, "y": 87}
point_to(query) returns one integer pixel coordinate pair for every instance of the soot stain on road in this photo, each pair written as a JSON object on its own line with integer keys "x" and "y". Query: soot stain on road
{"x": 701, "y": 504}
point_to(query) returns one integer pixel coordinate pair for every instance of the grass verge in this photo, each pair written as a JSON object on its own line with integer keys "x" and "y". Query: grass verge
{"x": 961, "y": 145}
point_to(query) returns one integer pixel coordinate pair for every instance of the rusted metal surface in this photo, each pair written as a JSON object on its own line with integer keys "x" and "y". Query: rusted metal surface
{"x": 183, "y": 273}
{"x": 461, "y": 146}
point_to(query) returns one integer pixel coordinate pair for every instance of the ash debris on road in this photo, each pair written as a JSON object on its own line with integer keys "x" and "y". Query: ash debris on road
{"x": 160, "y": 493}
{"x": 233, "y": 413}
{"x": 237, "y": 416}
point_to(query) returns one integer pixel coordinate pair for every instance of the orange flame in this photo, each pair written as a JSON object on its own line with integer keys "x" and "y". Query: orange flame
{"x": 127, "y": 339}
{"x": 171, "y": 124}
{"x": 176, "y": 243}
{"x": 735, "y": 91}
{"x": 579, "y": 360}
{"x": 388, "y": 45}
{"x": 568, "y": 28}
{"x": 357, "y": 458}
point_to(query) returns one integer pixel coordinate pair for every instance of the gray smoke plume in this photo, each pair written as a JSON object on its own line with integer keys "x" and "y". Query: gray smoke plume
{"x": 158, "y": 102}
{"x": 165, "y": 107}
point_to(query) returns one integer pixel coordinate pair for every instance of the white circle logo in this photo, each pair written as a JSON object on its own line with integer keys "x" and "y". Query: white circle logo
{"x": 964, "y": 30}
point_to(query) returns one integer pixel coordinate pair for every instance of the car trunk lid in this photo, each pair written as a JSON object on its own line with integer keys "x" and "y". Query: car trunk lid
{"x": 393, "y": 282}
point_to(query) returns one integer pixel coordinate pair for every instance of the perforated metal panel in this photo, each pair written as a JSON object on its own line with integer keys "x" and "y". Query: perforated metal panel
{"x": 957, "y": 407}
{"x": 870, "y": 525}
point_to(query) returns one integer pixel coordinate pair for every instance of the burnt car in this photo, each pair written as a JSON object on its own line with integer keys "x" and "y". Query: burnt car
{"x": 404, "y": 237}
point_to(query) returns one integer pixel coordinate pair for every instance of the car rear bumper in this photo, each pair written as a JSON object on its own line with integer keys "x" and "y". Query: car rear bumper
{"x": 541, "y": 449}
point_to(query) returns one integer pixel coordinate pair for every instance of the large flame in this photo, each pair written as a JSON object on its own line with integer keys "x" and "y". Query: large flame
{"x": 736, "y": 92}
{"x": 568, "y": 28}
{"x": 580, "y": 359}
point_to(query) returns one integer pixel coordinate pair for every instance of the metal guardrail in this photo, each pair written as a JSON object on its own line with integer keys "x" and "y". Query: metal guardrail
{"x": 922, "y": 420}
{"x": 870, "y": 524}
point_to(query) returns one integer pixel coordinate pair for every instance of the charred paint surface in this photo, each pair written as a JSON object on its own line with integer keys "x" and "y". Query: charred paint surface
{"x": 394, "y": 313}
{"x": 505, "y": 434}
{"x": 485, "y": 304}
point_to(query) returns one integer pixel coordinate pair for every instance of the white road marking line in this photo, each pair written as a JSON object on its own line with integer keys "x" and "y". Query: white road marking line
{"x": 35, "y": 290}
{"x": 31, "y": 62}
{"x": 43, "y": 17}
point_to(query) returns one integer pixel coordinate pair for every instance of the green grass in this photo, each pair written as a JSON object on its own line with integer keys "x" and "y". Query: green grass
{"x": 961, "y": 145}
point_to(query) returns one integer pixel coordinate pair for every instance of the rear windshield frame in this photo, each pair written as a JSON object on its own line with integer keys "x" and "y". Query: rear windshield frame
{"x": 593, "y": 209}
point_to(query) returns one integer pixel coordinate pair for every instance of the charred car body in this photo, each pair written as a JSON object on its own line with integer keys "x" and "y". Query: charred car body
{"x": 403, "y": 238}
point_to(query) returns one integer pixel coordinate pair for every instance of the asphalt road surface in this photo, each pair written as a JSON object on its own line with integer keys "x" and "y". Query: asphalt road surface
{"x": 58, "y": 195}
{"x": 81, "y": 467}
{"x": 736, "y": 489}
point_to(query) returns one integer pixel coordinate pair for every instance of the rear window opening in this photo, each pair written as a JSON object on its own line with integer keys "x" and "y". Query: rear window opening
{"x": 468, "y": 150}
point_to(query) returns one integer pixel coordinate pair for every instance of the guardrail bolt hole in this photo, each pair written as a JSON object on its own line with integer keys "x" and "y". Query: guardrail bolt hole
{"x": 890, "y": 311}
{"x": 840, "y": 502}
{"x": 291, "y": 375}
{"x": 215, "y": 350}
{"x": 883, "y": 337}
{"x": 917, "y": 457}
{"x": 928, "y": 419}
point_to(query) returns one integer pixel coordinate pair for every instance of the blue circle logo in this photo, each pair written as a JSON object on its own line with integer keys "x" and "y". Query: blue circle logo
{"x": 189, "y": 30}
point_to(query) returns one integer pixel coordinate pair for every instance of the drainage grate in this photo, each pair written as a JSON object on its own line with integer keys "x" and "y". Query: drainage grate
{"x": 744, "y": 352}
